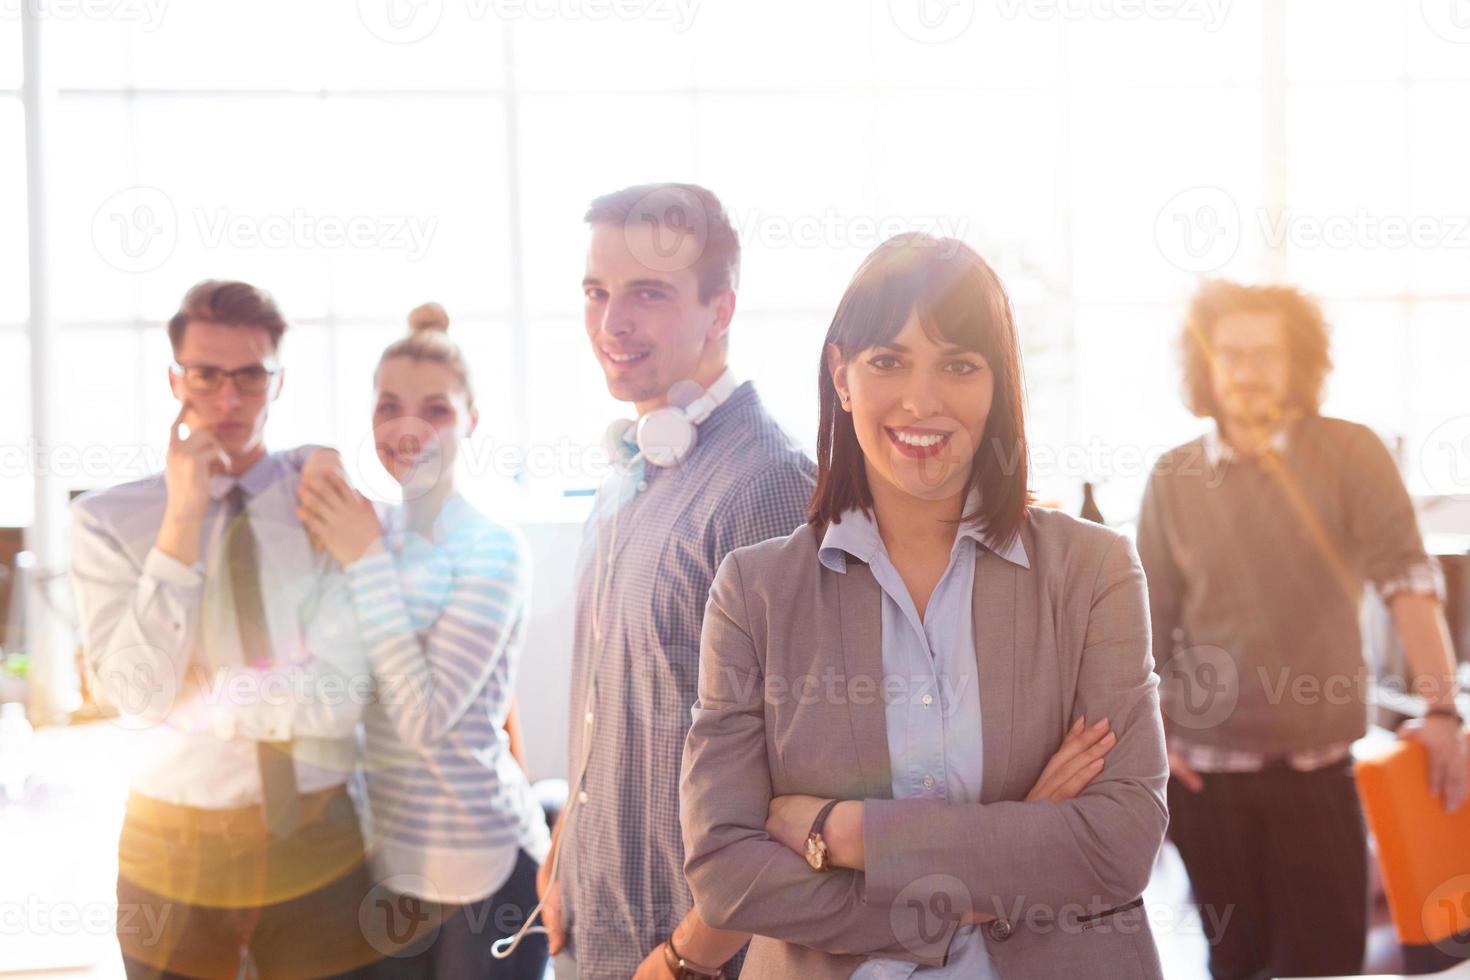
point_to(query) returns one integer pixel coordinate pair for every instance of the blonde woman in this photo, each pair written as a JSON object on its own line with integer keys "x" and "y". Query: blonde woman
{"x": 440, "y": 595}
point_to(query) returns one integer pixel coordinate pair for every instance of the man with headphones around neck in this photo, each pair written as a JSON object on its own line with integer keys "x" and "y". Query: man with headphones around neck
{"x": 703, "y": 470}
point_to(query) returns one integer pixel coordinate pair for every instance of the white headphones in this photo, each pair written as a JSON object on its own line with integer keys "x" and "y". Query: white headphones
{"x": 666, "y": 436}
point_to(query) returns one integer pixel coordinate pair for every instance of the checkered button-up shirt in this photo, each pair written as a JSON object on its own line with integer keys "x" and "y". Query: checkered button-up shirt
{"x": 652, "y": 547}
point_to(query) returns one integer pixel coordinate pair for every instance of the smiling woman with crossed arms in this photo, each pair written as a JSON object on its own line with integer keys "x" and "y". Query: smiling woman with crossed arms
{"x": 980, "y": 791}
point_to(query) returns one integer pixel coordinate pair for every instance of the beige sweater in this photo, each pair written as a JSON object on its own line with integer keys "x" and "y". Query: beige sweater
{"x": 1256, "y": 570}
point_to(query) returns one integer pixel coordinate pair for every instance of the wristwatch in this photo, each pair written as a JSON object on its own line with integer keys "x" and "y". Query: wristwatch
{"x": 682, "y": 969}
{"x": 816, "y": 847}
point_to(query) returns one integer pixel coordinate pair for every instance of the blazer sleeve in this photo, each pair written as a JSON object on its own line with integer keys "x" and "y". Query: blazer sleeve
{"x": 741, "y": 878}
{"x": 1094, "y": 851}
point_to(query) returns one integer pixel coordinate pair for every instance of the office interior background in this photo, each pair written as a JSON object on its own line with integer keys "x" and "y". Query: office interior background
{"x": 359, "y": 158}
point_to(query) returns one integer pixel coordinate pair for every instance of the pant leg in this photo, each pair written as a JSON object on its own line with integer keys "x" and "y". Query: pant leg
{"x": 1220, "y": 834}
{"x": 161, "y": 929}
{"x": 409, "y": 958}
{"x": 468, "y": 933}
{"x": 461, "y": 945}
{"x": 514, "y": 903}
{"x": 320, "y": 932}
{"x": 172, "y": 939}
{"x": 1318, "y": 873}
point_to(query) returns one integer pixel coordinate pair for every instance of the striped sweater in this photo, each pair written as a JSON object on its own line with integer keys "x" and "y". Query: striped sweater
{"x": 443, "y": 625}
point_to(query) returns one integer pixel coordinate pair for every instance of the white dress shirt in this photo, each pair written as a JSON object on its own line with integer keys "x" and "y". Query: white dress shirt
{"x": 147, "y": 617}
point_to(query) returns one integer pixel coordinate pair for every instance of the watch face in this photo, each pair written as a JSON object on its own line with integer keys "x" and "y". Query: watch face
{"x": 816, "y": 852}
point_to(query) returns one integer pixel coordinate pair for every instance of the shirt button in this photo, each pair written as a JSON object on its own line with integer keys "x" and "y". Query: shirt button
{"x": 642, "y": 485}
{"x": 1000, "y": 930}
{"x": 582, "y": 796}
{"x": 928, "y": 700}
{"x": 929, "y": 782}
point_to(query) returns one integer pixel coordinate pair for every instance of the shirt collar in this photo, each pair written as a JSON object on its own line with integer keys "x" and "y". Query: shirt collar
{"x": 262, "y": 474}
{"x": 739, "y": 398}
{"x": 1218, "y": 450}
{"x": 856, "y": 534}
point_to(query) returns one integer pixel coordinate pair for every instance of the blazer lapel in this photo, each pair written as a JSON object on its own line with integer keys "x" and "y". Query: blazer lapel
{"x": 860, "y": 611}
{"x": 994, "y": 612}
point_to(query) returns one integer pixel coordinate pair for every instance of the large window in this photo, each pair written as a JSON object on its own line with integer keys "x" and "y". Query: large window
{"x": 15, "y": 388}
{"x": 1376, "y": 161}
{"x": 359, "y": 158}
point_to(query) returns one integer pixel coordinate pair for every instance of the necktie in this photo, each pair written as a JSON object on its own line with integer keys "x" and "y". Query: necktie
{"x": 277, "y": 768}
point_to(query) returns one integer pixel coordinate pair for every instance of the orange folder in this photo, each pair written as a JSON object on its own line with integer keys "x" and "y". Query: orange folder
{"x": 1423, "y": 851}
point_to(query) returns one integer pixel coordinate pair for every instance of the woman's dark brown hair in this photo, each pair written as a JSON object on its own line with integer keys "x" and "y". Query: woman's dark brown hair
{"x": 958, "y": 297}
{"x": 1307, "y": 342}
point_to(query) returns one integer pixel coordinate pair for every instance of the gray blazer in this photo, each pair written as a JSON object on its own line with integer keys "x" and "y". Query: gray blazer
{"x": 791, "y": 701}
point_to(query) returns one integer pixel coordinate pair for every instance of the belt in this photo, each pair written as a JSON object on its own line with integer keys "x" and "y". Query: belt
{"x": 230, "y": 823}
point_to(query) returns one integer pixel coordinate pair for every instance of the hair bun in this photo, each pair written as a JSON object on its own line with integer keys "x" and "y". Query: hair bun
{"x": 429, "y": 316}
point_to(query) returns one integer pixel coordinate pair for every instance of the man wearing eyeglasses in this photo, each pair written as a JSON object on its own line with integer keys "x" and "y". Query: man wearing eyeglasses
{"x": 1258, "y": 540}
{"x": 229, "y": 647}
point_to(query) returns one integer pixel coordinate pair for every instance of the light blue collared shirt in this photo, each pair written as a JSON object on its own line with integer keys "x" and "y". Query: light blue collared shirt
{"x": 932, "y": 698}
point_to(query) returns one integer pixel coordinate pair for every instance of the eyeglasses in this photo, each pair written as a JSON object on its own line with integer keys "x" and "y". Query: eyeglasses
{"x": 1231, "y": 358}
{"x": 206, "y": 379}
